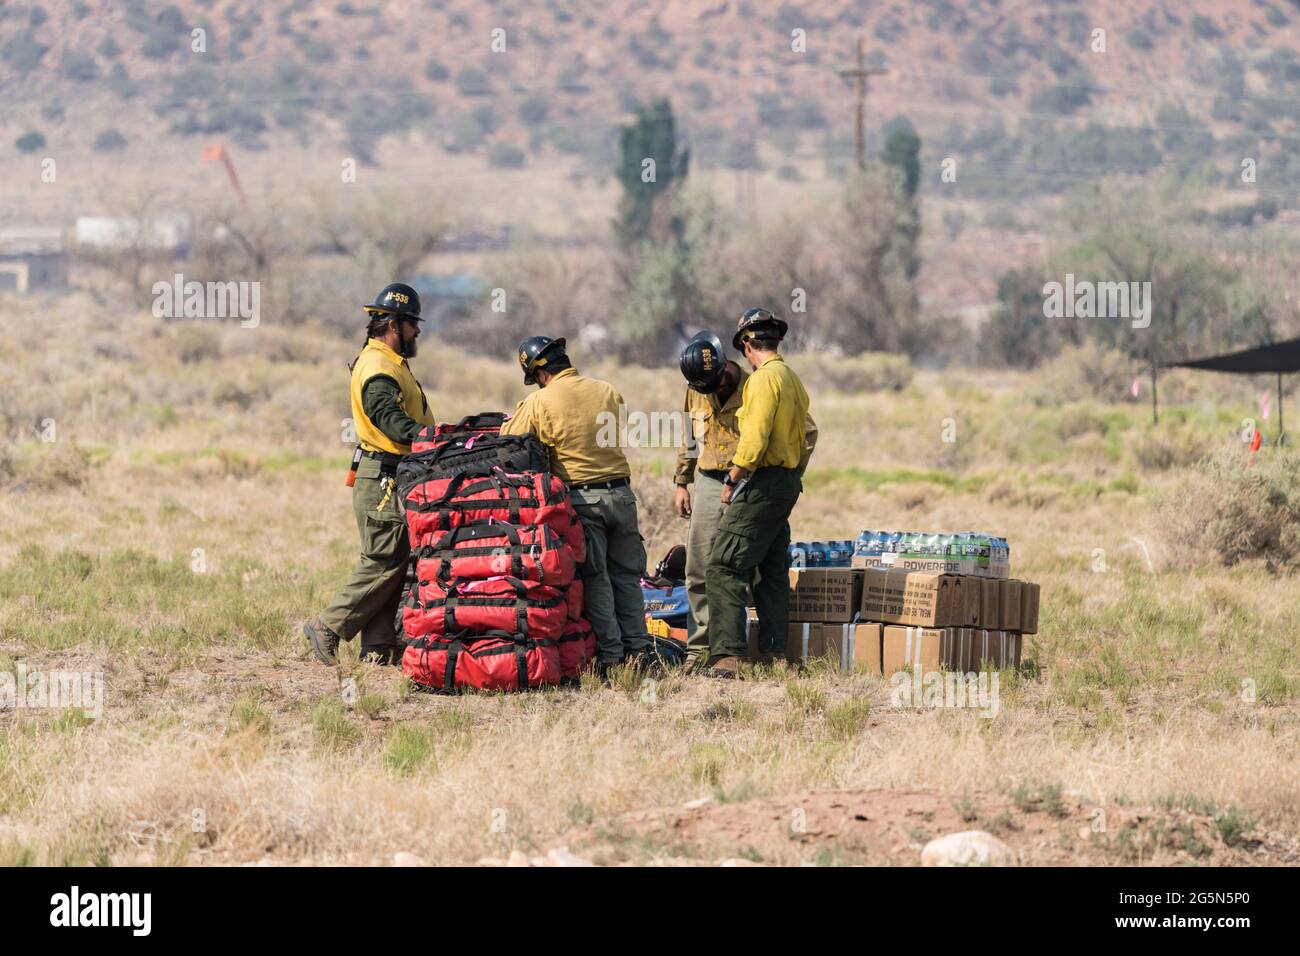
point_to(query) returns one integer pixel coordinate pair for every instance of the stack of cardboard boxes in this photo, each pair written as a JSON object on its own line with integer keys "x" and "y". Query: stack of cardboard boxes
{"x": 881, "y": 619}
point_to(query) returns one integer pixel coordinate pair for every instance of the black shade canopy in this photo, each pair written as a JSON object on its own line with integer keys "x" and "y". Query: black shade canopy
{"x": 1278, "y": 357}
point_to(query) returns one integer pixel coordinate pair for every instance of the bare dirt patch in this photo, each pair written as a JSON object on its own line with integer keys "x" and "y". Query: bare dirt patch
{"x": 890, "y": 827}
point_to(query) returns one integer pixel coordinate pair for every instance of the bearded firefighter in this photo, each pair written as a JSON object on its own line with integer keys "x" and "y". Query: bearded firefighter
{"x": 388, "y": 408}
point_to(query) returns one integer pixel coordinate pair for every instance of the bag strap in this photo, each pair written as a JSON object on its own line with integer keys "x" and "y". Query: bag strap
{"x": 482, "y": 529}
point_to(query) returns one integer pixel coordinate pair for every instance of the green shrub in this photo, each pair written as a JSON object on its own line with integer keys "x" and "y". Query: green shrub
{"x": 533, "y": 110}
{"x": 30, "y": 142}
{"x": 472, "y": 81}
{"x": 247, "y": 714}
{"x": 408, "y": 749}
{"x": 868, "y": 372}
{"x": 1205, "y": 28}
{"x": 1232, "y": 509}
{"x": 505, "y": 156}
{"x": 331, "y": 726}
{"x": 1089, "y": 371}
{"x": 22, "y": 53}
{"x": 1139, "y": 39}
{"x": 435, "y": 70}
{"x": 78, "y": 67}
{"x": 120, "y": 83}
{"x": 847, "y": 718}
{"x": 1170, "y": 445}
{"x": 108, "y": 140}
{"x": 1061, "y": 99}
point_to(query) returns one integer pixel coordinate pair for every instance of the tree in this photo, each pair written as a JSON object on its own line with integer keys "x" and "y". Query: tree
{"x": 1018, "y": 332}
{"x": 902, "y": 151}
{"x": 651, "y": 166}
{"x": 1133, "y": 235}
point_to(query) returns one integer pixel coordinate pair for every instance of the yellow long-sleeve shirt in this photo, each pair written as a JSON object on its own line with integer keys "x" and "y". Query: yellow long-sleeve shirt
{"x": 773, "y": 418}
{"x": 715, "y": 433}
{"x": 577, "y": 420}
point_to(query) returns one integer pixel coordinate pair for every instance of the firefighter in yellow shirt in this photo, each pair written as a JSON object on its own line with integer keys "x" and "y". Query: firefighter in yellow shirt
{"x": 758, "y": 494}
{"x": 388, "y": 410}
{"x": 576, "y": 419}
{"x": 715, "y": 386}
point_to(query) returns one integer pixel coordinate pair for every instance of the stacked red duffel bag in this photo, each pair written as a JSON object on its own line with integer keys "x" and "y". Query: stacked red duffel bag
{"x": 492, "y": 599}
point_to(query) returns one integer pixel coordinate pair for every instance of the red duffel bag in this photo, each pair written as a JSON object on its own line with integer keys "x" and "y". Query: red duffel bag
{"x": 526, "y": 608}
{"x": 534, "y": 553}
{"x": 573, "y": 596}
{"x": 577, "y": 647}
{"x": 495, "y": 661}
{"x": 527, "y": 498}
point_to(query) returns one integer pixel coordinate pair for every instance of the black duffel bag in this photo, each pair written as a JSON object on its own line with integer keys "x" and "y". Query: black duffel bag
{"x": 472, "y": 454}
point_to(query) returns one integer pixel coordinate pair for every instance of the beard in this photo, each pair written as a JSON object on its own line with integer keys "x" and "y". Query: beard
{"x": 409, "y": 348}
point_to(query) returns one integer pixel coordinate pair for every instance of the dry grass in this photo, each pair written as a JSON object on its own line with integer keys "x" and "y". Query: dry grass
{"x": 199, "y": 514}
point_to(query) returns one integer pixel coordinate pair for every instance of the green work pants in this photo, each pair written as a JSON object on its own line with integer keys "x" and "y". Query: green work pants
{"x": 611, "y": 575}
{"x": 750, "y": 550}
{"x": 367, "y": 603}
{"x": 706, "y": 512}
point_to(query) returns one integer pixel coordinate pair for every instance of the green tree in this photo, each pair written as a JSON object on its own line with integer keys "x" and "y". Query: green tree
{"x": 1138, "y": 235}
{"x": 652, "y": 165}
{"x": 1018, "y": 333}
{"x": 902, "y": 151}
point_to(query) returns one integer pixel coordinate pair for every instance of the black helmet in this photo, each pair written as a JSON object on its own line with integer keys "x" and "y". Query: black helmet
{"x": 535, "y": 351}
{"x": 762, "y": 322}
{"x": 397, "y": 299}
{"x": 703, "y": 362}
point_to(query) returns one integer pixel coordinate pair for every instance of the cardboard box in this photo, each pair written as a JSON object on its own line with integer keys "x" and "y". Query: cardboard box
{"x": 926, "y": 649}
{"x": 1009, "y": 601}
{"x": 855, "y": 646}
{"x": 1028, "y": 607}
{"x": 916, "y": 598}
{"x": 966, "y": 603}
{"x": 824, "y": 594}
{"x": 803, "y": 642}
{"x": 990, "y": 600}
{"x": 795, "y": 636}
{"x": 961, "y": 649}
{"x": 994, "y": 647}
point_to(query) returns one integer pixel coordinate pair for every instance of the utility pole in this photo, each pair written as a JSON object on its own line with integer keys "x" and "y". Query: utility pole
{"x": 859, "y": 77}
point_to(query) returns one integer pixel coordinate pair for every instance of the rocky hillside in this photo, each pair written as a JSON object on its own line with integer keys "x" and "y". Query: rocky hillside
{"x": 1030, "y": 94}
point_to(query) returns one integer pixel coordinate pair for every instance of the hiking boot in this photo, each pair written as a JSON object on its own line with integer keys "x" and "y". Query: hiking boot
{"x": 385, "y": 654}
{"x": 694, "y": 664}
{"x": 649, "y": 664}
{"x": 324, "y": 642}
{"x": 727, "y": 668}
{"x": 604, "y": 667}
